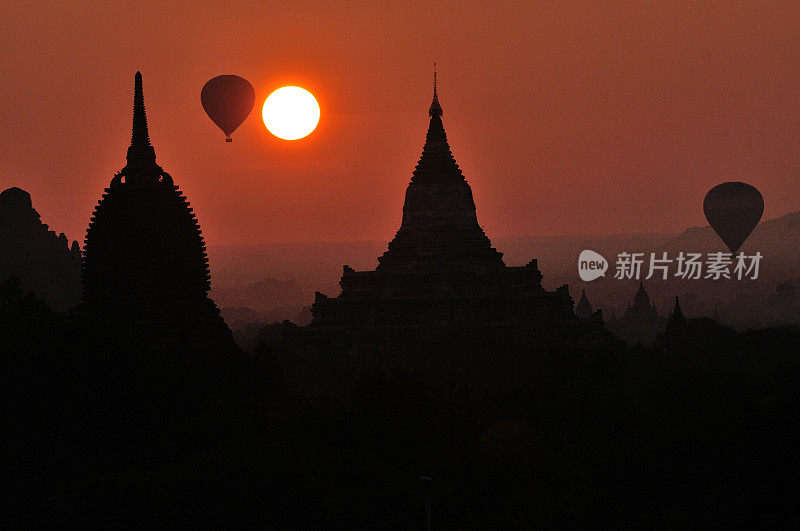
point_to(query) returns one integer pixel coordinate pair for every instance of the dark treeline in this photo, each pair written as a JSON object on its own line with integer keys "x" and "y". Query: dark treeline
{"x": 110, "y": 429}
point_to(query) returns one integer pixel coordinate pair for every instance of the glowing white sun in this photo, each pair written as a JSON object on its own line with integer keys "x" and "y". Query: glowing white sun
{"x": 291, "y": 113}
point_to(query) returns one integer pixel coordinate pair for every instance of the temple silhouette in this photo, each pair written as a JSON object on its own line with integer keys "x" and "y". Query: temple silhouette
{"x": 44, "y": 262}
{"x": 691, "y": 335}
{"x": 641, "y": 322}
{"x": 440, "y": 271}
{"x": 145, "y": 265}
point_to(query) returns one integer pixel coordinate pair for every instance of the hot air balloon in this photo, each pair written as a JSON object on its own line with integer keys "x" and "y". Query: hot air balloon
{"x": 228, "y": 101}
{"x": 733, "y": 210}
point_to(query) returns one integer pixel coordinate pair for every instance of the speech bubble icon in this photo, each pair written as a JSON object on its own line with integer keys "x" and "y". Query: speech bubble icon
{"x": 591, "y": 265}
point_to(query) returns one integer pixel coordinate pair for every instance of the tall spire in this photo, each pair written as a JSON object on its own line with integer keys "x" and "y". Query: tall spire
{"x": 141, "y": 155}
{"x": 437, "y": 162}
{"x": 435, "y": 108}
{"x": 139, "y": 135}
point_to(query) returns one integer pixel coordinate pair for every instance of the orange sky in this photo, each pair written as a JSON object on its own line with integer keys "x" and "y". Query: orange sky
{"x": 570, "y": 119}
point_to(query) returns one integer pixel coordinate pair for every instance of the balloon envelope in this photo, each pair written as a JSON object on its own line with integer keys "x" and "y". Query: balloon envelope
{"x": 228, "y": 101}
{"x": 733, "y": 210}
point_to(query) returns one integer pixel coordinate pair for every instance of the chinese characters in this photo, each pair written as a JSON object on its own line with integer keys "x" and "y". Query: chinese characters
{"x": 690, "y": 266}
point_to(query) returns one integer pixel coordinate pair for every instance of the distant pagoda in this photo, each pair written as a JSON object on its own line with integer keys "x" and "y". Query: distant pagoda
{"x": 144, "y": 255}
{"x": 440, "y": 270}
{"x": 640, "y": 323}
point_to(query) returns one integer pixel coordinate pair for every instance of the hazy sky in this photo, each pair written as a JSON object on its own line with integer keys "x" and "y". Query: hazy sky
{"x": 566, "y": 117}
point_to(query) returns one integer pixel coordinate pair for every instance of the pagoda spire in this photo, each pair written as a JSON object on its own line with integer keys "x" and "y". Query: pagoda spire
{"x": 677, "y": 313}
{"x": 584, "y": 307}
{"x": 141, "y": 155}
{"x": 675, "y": 334}
{"x": 641, "y": 300}
{"x": 439, "y": 218}
{"x": 437, "y": 162}
{"x": 435, "y": 108}
{"x": 139, "y": 135}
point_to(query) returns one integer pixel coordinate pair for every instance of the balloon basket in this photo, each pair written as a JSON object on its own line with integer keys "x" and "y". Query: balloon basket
{"x": 228, "y": 140}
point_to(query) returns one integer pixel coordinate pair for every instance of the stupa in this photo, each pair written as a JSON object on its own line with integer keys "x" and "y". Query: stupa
{"x": 641, "y": 323}
{"x": 145, "y": 259}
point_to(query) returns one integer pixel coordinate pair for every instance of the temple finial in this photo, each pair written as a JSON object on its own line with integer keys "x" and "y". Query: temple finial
{"x": 139, "y": 135}
{"x": 141, "y": 155}
{"x": 435, "y": 109}
{"x": 437, "y": 162}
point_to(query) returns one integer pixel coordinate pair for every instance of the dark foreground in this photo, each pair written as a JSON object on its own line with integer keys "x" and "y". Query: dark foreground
{"x": 104, "y": 432}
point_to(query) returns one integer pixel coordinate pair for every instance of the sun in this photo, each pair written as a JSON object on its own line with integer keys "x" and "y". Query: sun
{"x": 291, "y": 113}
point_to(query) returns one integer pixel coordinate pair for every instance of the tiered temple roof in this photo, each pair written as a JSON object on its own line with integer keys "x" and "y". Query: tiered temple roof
{"x": 439, "y": 218}
{"x": 441, "y": 270}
